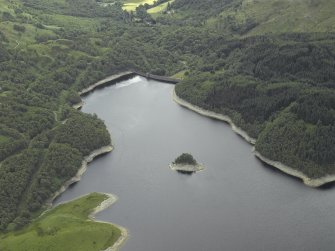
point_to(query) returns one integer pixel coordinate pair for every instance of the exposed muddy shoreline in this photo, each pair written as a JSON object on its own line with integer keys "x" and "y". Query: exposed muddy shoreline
{"x": 280, "y": 166}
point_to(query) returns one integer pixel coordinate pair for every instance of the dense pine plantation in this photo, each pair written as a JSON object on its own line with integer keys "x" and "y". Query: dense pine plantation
{"x": 278, "y": 85}
{"x": 281, "y": 94}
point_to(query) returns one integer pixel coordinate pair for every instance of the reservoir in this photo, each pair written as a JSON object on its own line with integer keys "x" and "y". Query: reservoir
{"x": 236, "y": 203}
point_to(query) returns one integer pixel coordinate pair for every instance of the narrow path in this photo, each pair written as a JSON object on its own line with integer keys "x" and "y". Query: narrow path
{"x": 56, "y": 117}
{"x": 18, "y": 43}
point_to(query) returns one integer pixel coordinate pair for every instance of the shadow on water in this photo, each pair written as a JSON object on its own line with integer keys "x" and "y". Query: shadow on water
{"x": 185, "y": 172}
{"x": 102, "y": 155}
{"x": 272, "y": 169}
{"x": 73, "y": 184}
{"x": 327, "y": 186}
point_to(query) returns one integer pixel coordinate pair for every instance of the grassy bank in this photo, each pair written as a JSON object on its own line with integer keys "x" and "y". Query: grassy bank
{"x": 66, "y": 227}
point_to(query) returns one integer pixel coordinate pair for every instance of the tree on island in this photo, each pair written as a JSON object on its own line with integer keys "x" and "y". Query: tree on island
{"x": 186, "y": 159}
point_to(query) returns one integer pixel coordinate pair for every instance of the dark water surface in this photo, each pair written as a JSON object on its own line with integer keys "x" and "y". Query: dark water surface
{"x": 235, "y": 204}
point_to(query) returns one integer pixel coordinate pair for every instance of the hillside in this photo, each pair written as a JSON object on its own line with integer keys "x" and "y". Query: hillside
{"x": 256, "y": 61}
{"x": 256, "y": 17}
{"x": 287, "y": 16}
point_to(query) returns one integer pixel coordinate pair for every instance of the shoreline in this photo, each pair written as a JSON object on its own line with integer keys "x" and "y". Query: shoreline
{"x": 78, "y": 106}
{"x": 124, "y": 232}
{"x": 100, "y": 151}
{"x": 84, "y": 165}
{"x": 103, "y": 205}
{"x": 318, "y": 182}
{"x": 104, "y": 81}
{"x": 158, "y": 77}
{"x": 100, "y": 83}
{"x": 295, "y": 173}
{"x": 122, "y": 75}
{"x": 187, "y": 168}
{"x": 213, "y": 115}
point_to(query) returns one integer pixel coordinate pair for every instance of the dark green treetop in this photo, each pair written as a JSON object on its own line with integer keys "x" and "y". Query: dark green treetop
{"x": 185, "y": 158}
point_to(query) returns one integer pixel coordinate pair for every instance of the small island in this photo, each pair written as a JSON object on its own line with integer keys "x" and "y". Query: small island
{"x": 185, "y": 163}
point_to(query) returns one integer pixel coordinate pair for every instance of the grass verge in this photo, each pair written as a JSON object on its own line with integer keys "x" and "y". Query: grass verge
{"x": 65, "y": 227}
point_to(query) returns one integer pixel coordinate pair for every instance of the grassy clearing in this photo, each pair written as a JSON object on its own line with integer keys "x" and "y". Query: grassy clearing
{"x": 179, "y": 75}
{"x": 57, "y": 21}
{"x": 18, "y": 39}
{"x": 3, "y": 139}
{"x": 160, "y": 8}
{"x": 5, "y": 93}
{"x": 6, "y": 6}
{"x": 130, "y": 5}
{"x": 66, "y": 227}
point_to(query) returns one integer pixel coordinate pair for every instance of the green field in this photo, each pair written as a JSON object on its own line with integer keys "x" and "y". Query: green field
{"x": 160, "y": 8}
{"x": 130, "y": 5}
{"x": 66, "y": 227}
